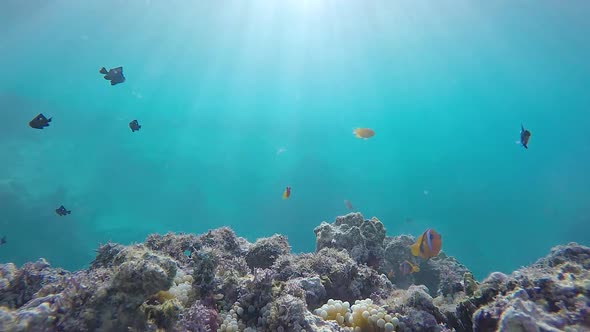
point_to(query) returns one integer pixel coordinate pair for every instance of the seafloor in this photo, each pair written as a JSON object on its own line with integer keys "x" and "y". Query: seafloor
{"x": 220, "y": 282}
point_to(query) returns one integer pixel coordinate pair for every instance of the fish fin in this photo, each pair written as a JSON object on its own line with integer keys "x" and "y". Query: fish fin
{"x": 139, "y": 127}
{"x": 113, "y": 83}
{"x": 415, "y": 248}
{"x": 103, "y": 70}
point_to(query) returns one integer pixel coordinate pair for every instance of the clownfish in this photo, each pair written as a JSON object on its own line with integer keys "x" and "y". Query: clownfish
{"x": 406, "y": 268}
{"x": 427, "y": 245}
{"x": 287, "y": 193}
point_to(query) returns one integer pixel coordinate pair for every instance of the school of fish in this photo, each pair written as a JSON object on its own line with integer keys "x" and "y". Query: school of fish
{"x": 427, "y": 245}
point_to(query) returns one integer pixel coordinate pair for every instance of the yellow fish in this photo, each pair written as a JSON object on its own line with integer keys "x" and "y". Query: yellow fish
{"x": 364, "y": 133}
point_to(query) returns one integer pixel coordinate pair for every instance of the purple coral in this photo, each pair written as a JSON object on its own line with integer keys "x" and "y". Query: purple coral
{"x": 199, "y": 318}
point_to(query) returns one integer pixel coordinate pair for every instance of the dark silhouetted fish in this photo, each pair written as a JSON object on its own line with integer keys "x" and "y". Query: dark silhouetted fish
{"x": 134, "y": 125}
{"x": 115, "y": 75}
{"x": 62, "y": 211}
{"x": 524, "y": 136}
{"x": 348, "y": 204}
{"x": 39, "y": 122}
{"x": 3, "y": 240}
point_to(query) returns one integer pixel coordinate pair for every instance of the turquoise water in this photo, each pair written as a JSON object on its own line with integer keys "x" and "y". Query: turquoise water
{"x": 219, "y": 87}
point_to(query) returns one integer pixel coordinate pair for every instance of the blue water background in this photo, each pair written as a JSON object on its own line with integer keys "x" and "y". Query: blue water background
{"x": 220, "y": 86}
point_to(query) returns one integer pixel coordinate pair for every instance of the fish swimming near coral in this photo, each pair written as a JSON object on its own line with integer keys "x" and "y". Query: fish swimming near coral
{"x": 287, "y": 193}
{"x": 364, "y": 133}
{"x": 134, "y": 125}
{"x": 348, "y": 204}
{"x": 524, "y": 136}
{"x": 62, "y": 211}
{"x": 406, "y": 267}
{"x": 39, "y": 122}
{"x": 115, "y": 75}
{"x": 427, "y": 245}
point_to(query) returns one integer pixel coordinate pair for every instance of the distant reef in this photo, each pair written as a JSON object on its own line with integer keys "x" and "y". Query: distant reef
{"x": 220, "y": 282}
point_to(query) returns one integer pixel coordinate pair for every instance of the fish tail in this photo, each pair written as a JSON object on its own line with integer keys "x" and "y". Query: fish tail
{"x": 49, "y": 120}
{"x": 103, "y": 70}
{"x": 415, "y": 248}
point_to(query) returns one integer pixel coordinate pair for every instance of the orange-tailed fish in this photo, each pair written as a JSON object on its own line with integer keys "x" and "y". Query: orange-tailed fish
{"x": 348, "y": 204}
{"x": 287, "y": 193}
{"x": 406, "y": 268}
{"x": 427, "y": 245}
{"x": 364, "y": 133}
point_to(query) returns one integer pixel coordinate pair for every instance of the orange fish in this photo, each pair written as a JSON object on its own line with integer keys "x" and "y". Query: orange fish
{"x": 427, "y": 245}
{"x": 406, "y": 268}
{"x": 287, "y": 193}
{"x": 364, "y": 133}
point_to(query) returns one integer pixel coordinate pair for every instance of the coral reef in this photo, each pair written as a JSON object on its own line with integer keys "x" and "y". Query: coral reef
{"x": 220, "y": 282}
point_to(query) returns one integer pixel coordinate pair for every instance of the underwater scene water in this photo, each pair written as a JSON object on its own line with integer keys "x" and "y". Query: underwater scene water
{"x": 238, "y": 100}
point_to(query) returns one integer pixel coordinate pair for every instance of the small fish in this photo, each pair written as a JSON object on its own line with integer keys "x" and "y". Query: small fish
{"x": 287, "y": 193}
{"x": 524, "y": 136}
{"x": 134, "y": 125}
{"x": 115, "y": 75}
{"x": 281, "y": 150}
{"x": 62, "y": 211}
{"x": 348, "y": 204}
{"x": 390, "y": 274}
{"x": 406, "y": 268}
{"x": 3, "y": 240}
{"x": 409, "y": 220}
{"x": 364, "y": 133}
{"x": 39, "y": 122}
{"x": 427, "y": 245}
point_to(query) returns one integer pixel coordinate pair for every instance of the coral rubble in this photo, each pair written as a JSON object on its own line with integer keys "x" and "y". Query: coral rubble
{"x": 220, "y": 282}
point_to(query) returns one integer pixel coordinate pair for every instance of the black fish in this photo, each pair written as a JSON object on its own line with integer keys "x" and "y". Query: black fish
{"x": 524, "y": 136}
{"x": 62, "y": 211}
{"x": 3, "y": 240}
{"x": 134, "y": 125}
{"x": 115, "y": 75}
{"x": 39, "y": 122}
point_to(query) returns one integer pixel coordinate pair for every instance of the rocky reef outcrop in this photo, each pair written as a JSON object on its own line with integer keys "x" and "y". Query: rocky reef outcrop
{"x": 218, "y": 281}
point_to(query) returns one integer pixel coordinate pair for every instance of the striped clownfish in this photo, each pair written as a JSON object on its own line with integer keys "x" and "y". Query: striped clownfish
{"x": 427, "y": 245}
{"x": 287, "y": 193}
{"x": 406, "y": 268}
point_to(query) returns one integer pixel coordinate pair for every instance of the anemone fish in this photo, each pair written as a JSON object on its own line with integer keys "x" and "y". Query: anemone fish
{"x": 406, "y": 268}
{"x": 287, "y": 193}
{"x": 427, "y": 245}
{"x": 364, "y": 133}
{"x": 524, "y": 136}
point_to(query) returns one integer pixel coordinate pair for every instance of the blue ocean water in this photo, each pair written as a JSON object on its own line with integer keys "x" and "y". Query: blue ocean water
{"x": 219, "y": 87}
